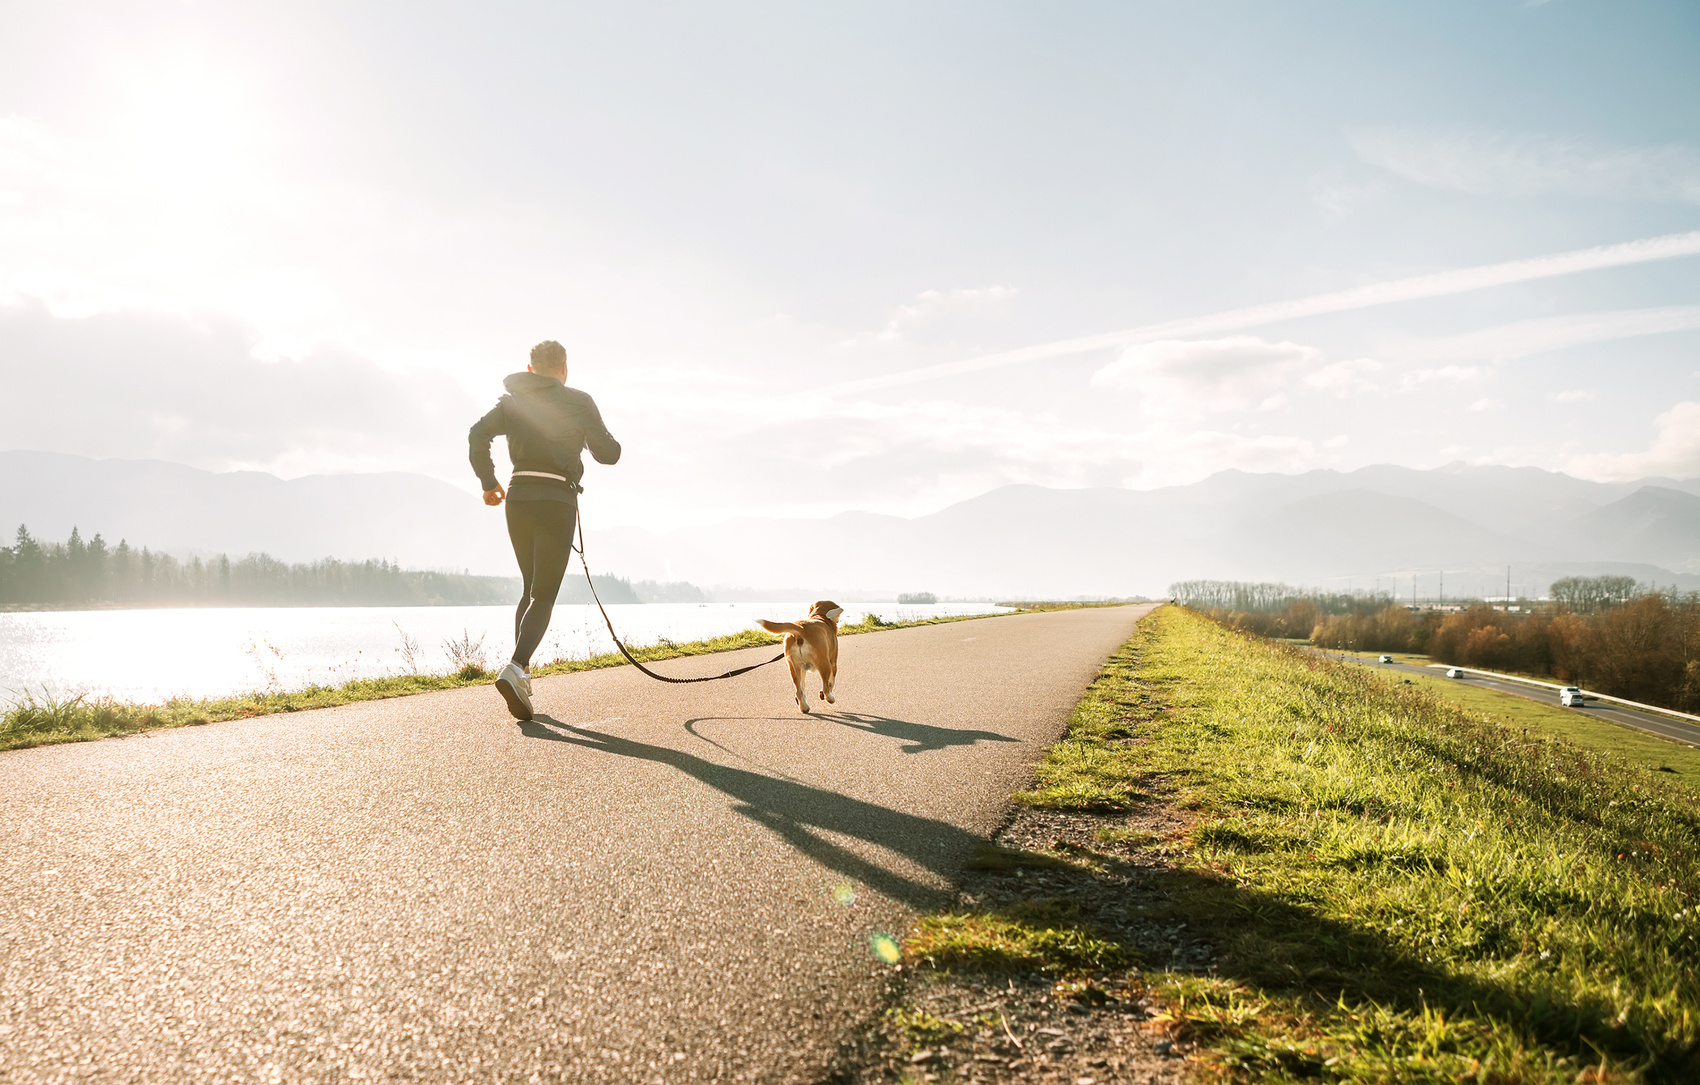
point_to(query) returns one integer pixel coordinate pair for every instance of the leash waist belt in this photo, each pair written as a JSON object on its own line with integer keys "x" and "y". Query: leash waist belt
{"x": 575, "y": 488}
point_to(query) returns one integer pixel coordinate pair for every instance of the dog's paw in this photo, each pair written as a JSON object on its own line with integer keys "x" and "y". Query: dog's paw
{"x": 829, "y": 698}
{"x": 804, "y": 705}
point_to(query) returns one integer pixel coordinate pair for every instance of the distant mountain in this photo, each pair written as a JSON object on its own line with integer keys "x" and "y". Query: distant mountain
{"x": 417, "y": 521}
{"x": 1381, "y": 524}
{"x": 1350, "y": 529}
{"x": 1655, "y": 523}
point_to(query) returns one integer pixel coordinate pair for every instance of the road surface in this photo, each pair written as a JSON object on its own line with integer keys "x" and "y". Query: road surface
{"x": 1651, "y": 722}
{"x": 646, "y": 883}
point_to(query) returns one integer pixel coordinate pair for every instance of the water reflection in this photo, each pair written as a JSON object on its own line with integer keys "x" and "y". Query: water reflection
{"x": 150, "y": 655}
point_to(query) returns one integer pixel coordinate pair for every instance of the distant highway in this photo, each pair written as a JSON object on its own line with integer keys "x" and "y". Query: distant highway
{"x": 1651, "y": 722}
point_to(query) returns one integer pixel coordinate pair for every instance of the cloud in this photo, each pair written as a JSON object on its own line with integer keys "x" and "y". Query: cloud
{"x": 1335, "y": 195}
{"x": 1495, "y": 164}
{"x": 1527, "y": 337}
{"x": 1350, "y": 377}
{"x": 1238, "y": 373}
{"x": 153, "y": 385}
{"x": 1673, "y": 453}
{"x": 1572, "y": 395}
{"x": 1460, "y": 374}
{"x": 931, "y": 306}
{"x": 1440, "y": 284}
{"x": 692, "y": 443}
{"x": 706, "y": 447}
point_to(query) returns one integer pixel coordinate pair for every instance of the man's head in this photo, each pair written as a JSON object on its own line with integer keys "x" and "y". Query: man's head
{"x": 549, "y": 359}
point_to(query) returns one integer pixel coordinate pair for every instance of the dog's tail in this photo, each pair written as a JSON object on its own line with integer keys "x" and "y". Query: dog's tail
{"x": 780, "y": 627}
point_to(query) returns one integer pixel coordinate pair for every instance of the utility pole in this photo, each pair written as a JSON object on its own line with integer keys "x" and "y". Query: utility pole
{"x": 1508, "y": 586}
{"x": 1442, "y": 588}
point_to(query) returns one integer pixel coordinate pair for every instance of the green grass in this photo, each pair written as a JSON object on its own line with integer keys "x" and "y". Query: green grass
{"x": 1398, "y": 887}
{"x": 46, "y": 720}
{"x": 1678, "y": 760}
{"x": 1047, "y": 936}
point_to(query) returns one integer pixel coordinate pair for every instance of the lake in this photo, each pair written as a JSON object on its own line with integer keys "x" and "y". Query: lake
{"x": 151, "y": 655}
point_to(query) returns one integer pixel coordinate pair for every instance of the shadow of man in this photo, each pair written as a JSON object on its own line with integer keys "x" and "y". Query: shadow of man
{"x": 799, "y": 812}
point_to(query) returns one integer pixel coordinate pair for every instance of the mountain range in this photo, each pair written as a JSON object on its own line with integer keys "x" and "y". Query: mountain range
{"x": 1394, "y": 527}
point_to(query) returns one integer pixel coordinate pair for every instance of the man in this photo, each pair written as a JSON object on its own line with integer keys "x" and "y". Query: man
{"x": 547, "y": 425}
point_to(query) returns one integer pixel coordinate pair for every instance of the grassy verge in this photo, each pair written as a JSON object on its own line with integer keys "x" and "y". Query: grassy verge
{"x": 39, "y": 722}
{"x": 1676, "y": 759}
{"x": 1391, "y": 886}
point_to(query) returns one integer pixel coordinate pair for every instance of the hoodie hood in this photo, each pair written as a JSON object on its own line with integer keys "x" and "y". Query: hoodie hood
{"x": 528, "y": 383}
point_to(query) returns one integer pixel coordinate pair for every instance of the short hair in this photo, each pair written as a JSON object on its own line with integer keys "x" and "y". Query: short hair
{"x": 549, "y": 355}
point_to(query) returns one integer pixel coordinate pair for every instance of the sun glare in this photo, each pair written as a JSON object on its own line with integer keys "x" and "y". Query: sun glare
{"x": 186, "y": 123}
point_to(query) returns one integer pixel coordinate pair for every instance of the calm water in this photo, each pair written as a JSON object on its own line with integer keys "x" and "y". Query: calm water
{"x": 150, "y": 655}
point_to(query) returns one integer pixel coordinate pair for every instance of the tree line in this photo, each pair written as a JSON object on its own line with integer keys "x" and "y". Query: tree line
{"x": 78, "y": 573}
{"x": 1246, "y": 597}
{"x": 1608, "y": 634}
{"x": 1273, "y": 610}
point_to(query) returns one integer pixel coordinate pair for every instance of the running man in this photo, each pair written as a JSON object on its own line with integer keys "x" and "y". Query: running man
{"x": 547, "y": 425}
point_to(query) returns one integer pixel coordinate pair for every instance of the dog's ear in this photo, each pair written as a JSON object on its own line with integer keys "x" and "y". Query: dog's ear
{"x": 832, "y": 615}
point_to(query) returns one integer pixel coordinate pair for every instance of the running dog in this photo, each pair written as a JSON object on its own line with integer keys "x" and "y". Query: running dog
{"x": 811, "y": 645}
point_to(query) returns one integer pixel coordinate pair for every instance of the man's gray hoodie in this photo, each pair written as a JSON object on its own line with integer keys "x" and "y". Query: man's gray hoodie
{"x": 547, "y": 425}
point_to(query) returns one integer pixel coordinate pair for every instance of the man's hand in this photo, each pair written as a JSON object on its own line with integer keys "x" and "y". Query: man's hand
{"x": 494, "y": 497}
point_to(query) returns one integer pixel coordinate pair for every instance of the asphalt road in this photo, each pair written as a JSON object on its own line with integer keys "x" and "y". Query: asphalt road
{"x": 1651, "y": 722}
{"x": 646, "y": 883}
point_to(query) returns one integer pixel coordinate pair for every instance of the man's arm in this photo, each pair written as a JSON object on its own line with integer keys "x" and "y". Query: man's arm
{"x": 596, "y": 436}
{"x": 478, "y": 444}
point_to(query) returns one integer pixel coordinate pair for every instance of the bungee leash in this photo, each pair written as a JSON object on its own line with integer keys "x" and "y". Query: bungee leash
{"x": 616, "y": 637}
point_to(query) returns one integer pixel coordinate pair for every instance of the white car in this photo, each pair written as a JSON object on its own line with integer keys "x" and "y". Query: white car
{"x": 1454, "y": 672}
{"x": 1385, "y": 659}
{"x": 1571, "y": 697}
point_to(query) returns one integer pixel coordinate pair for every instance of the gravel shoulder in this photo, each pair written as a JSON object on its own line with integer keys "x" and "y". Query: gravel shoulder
{"x": 1037, "y": 1027}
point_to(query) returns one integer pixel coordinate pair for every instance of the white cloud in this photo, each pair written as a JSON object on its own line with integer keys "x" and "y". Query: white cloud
{"x": 1339, "y": 197}
{"x": 930, "y": 306}
{"x": 1526, "y": 337}
{"x": 1674, "y": 451}
{"x": 1238, "y": 373}
{"x": 1571, "y": 395}
{"x": 1484, "y": 404}
{"x": 1496, "y": 164}
{"x": 1345, "y": 378}
{"x": 1439, "y": 284}
{"x": 1458, "y": 374}
{"x": 141, "y": 384}
{"x": 693, "y": 440}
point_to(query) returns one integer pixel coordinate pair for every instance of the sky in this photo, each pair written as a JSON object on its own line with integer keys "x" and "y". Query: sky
{"x": 819, "y": 257}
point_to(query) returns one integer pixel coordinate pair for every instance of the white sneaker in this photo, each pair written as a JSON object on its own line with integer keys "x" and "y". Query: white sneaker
{"x": 515, "y": 687}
